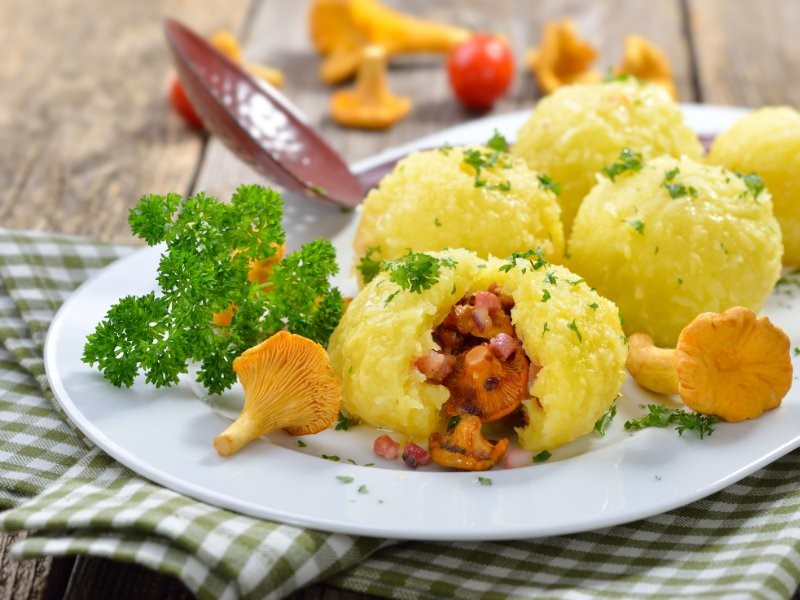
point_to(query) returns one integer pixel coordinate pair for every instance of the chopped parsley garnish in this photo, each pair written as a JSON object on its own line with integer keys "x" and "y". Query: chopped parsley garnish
{"x": 332, "y": 457}
{"x": 203, "y": 271}
{"x": 628, "y": 160}
{"x": 343, "y": 424}
{"x": 437, "y": 222}
{"x": 368, "y": 266}
{"x": 662, "y": 416}
{"x": 484, "y": 480}
{"x": 545, "y": 328}
{"x": 678, "y": 190}
{"x": 603, "y": 422}
{"x": 545, "y": 295}
{"x": 526, "y": 256}
{"x": 479, "y": 160}
{"x": 453, "y": 423}
{"x": 417, "y": 271}
{"x": 344, "y": 478}
{"x": 550, "y": 278}
{"x": 548, "y": 184}
{"x": 362, "y": 489}
{"x": 497, "y": 142}
{"x": 637, "y": 224}
{"x": 445, "y": 149}
{"x": 753, "y": 182}
{"x": 543, "y": 456}
{"x": 574, "y": 328}
{"x": 301, "y": 444}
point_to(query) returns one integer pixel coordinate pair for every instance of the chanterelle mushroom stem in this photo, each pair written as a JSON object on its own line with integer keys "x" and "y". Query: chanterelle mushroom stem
{"x": 733, "y": 365}
{"x": 652, "y": 367}
{"x": 370, "y": 105}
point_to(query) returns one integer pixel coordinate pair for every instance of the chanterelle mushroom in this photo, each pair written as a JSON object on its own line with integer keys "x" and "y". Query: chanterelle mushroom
{"x": 341, "y": 28}
{"x": 562, "y": 57}
{"x": 732, "y": 365}
{"x": 464, "y": 447}
{"x": 371, "y": 105}
{"x": 288, "y": 384}
{"x": 643, "y": 60}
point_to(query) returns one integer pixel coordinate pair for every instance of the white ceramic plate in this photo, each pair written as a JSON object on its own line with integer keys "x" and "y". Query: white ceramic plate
{"x": 165, "y": 435}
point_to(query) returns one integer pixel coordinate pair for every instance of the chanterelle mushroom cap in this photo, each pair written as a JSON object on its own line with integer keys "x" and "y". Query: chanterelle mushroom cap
{"x": 733, "y": 365}
{"x": 288, "y": 384}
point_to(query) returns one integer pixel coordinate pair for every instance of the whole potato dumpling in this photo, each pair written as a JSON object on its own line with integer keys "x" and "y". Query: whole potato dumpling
{"x": 767, "y": 142}
{"x": 578, "y": 129}
{"x": 675, "y": 239}
{"x": 562, "y": 324}
{"x": 438, "y": 199}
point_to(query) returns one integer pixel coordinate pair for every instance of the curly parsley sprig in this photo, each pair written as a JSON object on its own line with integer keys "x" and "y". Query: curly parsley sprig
{"x": 662, "y": 416}
{"x": 203, "y": 271}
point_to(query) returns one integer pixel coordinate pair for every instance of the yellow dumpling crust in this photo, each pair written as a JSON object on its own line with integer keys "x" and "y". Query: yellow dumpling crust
{"x": 578, "y": 129}
{"x": 562, "y": 323}
{"x": 436, "y": 199}
{"x": 675, "y": 239}
{"x": 767, "y": 142}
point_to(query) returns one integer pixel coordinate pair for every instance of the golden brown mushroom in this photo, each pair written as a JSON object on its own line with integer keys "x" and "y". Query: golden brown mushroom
{"x": 288, "y": 384}
{"x": 643, "y": 60}
{"x": 261, "y": 272}
{"x": 562, "y": 57}
{"x": 465, "y": 447}
{"x": 371, "y": 105}
{"x": 339, "y": 30}
{"x": 732, "y": 365}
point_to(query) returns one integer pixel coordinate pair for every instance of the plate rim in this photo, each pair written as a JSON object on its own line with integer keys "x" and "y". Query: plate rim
{"x": 124, "y": 456}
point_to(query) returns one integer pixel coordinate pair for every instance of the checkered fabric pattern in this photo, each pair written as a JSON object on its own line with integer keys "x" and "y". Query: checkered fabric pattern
{"x": 743, "y": 542}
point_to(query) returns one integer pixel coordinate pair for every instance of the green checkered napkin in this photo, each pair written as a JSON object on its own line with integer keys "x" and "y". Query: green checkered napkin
{"x": 743, "y": 542}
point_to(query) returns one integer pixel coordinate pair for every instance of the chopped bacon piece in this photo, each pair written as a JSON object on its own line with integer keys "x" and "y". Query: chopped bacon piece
{"x": 481, "y": 318}
{"x": 487, "y": 300}
{"x": 435, "y": 366}
{"x": 386, "y": 447}
{"x": 516, "y": 458}
{"x": 415, "y": 455}
{"x": 503, "y": 345}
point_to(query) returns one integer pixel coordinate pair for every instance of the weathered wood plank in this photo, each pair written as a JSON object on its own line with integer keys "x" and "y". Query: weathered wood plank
{"x": 747, "y": 52}
{"x": 278, "y": 36}
{"x": 84, "y": 125}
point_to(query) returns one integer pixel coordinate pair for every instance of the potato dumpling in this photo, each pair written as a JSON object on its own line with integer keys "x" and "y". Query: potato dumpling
{"x": 674, "y": 239}
{"x": 580, "y": 128}
{"x": 767, "y": 142}
{"x": 561, "y": 323}
{"x": 438, "y": 199}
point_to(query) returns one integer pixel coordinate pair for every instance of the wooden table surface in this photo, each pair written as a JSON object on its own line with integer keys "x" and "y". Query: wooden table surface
{"x": 85, "y": 128}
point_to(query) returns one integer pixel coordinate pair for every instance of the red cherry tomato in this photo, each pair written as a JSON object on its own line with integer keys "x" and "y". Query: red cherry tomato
{"x": 481, "y": 70}
{"x": 180, "y": 102}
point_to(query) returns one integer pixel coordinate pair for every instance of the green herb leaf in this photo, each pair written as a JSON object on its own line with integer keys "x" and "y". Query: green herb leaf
{"x": 368, "y": 266}
{"x": 754, "y": 183}
{"x": 417, "y": 271}
{"x": 484, "y": 481}
{"x": 210, "y": 246}
{"x": 603, "y": 422}
{"x": 662, "y": 416}
{"x": 343, "y": 424}
{"x": 534, "y": 258}
{"x": 543, "y": 456}
{"x": 548, "y": 184}
{"x": 628, "y": 160}
{"x": 344, "y": 478}
{"x": 574, "y": 328}
{"x": 637, "y": 224}
{"x": 497, "y": 142}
